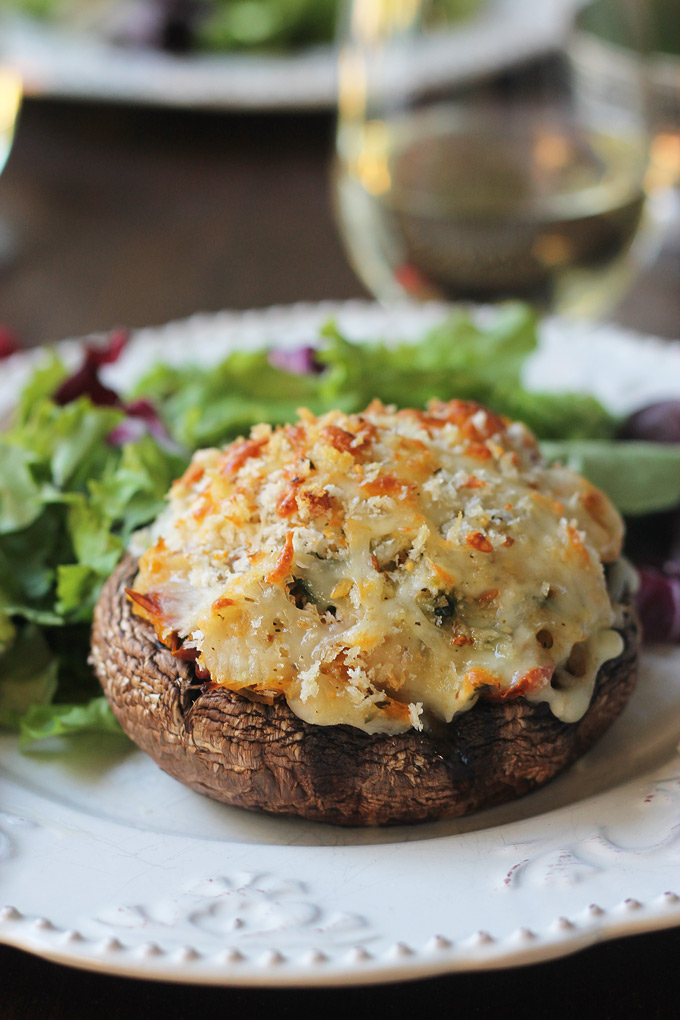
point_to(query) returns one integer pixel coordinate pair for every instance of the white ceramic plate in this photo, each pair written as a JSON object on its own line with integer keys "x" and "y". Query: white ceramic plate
{"x": 107, "y": 863}
{"x": 61, "y": 62}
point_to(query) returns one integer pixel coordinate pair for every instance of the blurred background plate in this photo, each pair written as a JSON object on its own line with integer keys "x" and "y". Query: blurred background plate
{"x": 57, "y": 61}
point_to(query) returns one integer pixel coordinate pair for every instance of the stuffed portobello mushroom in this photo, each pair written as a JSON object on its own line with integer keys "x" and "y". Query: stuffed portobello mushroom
{"x": 372, "y": 619}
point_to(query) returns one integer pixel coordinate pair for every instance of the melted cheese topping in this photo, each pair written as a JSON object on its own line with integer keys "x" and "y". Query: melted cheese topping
{"x": 376, "y": 568}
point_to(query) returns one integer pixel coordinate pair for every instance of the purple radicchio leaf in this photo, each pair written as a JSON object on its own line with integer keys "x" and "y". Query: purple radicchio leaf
{"x": 85, "y": 382}
{"x": 141, "y": 419}
{"x": 658, "y": 604}
{"x": 298, "y": 361}
{"x": 9, "y": 342}
{"x": 656, "y": 423}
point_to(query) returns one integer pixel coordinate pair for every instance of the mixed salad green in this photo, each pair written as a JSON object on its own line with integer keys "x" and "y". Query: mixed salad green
{"x": 82, "y": 467}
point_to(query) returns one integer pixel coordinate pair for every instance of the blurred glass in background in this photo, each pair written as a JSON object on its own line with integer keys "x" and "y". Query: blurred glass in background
{"x": 495, "y": 149}
{"x": 10, "y": 99}
{"x": 665, "y": 89}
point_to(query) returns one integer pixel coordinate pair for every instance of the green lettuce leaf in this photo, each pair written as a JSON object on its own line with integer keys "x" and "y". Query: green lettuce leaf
{"x": 69, "y": 500}
{"x": 639, "y": 478}
{"x": 458, "y": 358}
{"x": 28, "y": 676}
{"x": 45, "y": 381}
{"x": 556, "y": 415}
{"x": 43, "y": 721}
{"x": 7, "y": 631}
{"x": 206, "y": 406}
{"x": 455, "y": 359}
{"x": 133, "y": 491}
{"x": 21, "y": 497}
{"x": 28, "y": 563}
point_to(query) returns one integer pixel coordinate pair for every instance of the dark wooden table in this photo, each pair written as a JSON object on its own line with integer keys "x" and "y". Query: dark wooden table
{"x": 133, "y": 217}
{"x": 138, "y": 217}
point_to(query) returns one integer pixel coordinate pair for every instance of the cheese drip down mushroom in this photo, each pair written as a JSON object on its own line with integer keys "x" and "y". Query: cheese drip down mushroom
{"x": 386, "y": 569}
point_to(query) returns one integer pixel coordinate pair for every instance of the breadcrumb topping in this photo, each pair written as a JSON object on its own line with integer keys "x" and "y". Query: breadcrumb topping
{"x": 378, "y": 568}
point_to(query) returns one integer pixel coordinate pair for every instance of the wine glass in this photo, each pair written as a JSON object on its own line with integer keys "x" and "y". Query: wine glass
{"x": 10, "y": 99}
{"x": 492, "y": 149}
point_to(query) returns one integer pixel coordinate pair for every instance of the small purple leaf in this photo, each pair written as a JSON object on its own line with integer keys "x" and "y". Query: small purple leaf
{"x": 298, "y": 361}
{"x": 658, "y": 604}
{"x": 85, "y": 382}
{"x": 656, "y": 423}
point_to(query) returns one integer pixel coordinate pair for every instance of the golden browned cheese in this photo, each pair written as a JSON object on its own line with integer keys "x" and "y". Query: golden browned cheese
{"x": 376, "y": 568}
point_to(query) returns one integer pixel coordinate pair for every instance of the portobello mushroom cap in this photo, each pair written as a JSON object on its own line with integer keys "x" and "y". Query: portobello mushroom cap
{"x": 264, "y": 758}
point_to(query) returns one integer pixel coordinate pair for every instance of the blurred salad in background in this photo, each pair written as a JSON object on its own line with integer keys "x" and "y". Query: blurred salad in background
{"x": 187, "y": 25}
{"x": 82, "y": 467}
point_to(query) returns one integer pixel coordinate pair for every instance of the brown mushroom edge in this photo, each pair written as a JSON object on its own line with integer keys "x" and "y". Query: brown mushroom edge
{"x": 264, "y": 758}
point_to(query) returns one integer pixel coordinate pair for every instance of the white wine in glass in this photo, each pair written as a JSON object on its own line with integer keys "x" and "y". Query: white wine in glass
{"x": 492, "y": 157}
